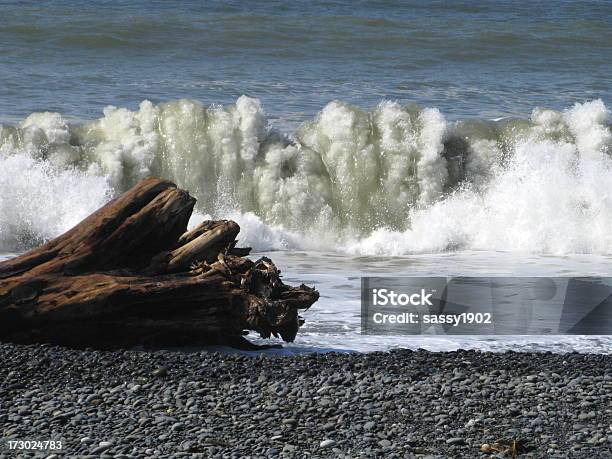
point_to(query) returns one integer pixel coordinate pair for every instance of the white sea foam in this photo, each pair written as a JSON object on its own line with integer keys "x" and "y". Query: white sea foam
{"x": 552, "y": 196}
{"x": 39, "y": 201}
{"x": 390, "y": 181}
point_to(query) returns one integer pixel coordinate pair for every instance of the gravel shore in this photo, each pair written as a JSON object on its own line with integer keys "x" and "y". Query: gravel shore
{"x": 397, "y": 404}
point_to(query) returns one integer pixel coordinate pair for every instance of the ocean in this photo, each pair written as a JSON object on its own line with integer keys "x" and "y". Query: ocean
{"x": 346, "y": 138}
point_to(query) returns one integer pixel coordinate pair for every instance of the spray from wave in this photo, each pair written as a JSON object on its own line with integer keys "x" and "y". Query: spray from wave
{"x": 391, "y": 181}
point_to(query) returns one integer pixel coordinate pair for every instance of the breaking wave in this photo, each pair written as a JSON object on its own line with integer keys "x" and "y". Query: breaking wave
{"x": 390, "y": 181}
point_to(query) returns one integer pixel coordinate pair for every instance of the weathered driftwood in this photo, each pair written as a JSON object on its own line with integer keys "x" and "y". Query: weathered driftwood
{"x": 131, "y": 274}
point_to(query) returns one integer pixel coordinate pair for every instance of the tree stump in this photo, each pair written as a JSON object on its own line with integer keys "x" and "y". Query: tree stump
{"x": 131, "y": 274}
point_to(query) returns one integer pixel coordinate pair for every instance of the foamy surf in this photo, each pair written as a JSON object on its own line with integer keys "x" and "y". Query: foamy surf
{"x": 394, "y": 180}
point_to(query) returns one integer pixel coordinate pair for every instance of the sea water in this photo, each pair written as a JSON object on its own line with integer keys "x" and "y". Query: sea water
{"x": 334, "y": 322}
{"x": 346, "y": 139}
{"x": 468, "y": 58}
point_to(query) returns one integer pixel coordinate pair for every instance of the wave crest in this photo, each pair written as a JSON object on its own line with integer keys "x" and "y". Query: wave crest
{"x": 392, "y": 180}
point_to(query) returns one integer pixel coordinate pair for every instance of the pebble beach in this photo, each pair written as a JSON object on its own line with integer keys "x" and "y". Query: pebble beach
{"x": 395, "y": 404}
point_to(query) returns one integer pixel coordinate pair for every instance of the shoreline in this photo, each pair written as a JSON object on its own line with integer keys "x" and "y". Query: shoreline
{"x": 400, "y": 403}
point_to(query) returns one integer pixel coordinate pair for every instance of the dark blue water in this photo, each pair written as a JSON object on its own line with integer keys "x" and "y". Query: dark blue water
{"x": 469, "y": 58}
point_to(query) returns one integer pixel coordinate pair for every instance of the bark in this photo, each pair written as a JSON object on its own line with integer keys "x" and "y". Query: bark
{"x": 131, "y": 274}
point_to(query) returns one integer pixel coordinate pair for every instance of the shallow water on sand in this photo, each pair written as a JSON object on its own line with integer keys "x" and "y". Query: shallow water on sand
{"x": 333, "y": 323}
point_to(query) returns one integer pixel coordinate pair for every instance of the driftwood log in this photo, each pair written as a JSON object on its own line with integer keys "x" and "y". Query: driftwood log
{"x": 131, "y": 274}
